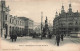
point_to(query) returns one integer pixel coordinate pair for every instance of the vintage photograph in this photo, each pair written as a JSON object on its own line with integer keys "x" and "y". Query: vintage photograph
{"x": 39, "y": 25}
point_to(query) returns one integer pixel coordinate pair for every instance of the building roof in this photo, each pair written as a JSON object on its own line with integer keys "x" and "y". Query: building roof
{"x": 25, "y": 18}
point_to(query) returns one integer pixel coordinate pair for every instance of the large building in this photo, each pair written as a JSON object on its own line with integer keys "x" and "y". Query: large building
{"x": 4, "y": 13}
{"x": 10, "y": 24}
{"x": 15, "y": 24}
{"x": 28, "y": 25}
{"x": 66, "y": 22}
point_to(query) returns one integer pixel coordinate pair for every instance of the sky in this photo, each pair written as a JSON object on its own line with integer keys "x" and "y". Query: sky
{"x": 32, "y": 8}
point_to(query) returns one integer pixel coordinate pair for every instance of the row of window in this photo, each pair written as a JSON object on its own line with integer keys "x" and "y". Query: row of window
{"x": 62, "y": 24}
{"x": 16, "y": 28}
{"x": 18, "y": 22}
{"x": 65, "y": 28}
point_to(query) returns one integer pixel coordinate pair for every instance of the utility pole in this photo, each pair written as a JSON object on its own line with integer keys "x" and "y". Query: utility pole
{"x": 41, "y": 24}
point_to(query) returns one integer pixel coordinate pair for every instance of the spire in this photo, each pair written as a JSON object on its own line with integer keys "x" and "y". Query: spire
{"x": 62, "y": 9}
{"x": 46, "y": 18}
{"x": 56, "y": 14}
{"x": 70, "y": 4}
{"x": 70, "y": 7}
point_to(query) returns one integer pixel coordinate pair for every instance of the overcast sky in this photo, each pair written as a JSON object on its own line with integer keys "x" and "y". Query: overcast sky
{"x": 32, "y": 8}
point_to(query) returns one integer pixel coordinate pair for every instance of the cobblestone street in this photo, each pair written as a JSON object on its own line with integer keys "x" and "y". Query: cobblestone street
{"x": 24, "y": 42}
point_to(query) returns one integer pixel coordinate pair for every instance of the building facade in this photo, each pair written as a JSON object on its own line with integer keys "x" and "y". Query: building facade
{"x": 16, "y": 24}
{"x": 4, "y": 13}
{"x": 66, "y": 22}
{"x": 8, "y": 23}
{"x": 28, "y": 25}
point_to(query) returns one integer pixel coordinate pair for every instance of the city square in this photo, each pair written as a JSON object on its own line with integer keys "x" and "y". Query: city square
{"x": 59, "y": 32}
{"x": 28, "y": 43}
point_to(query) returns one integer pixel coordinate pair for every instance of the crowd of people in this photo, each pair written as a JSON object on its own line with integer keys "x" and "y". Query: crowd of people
{"x": 13, "y": 36}
{"x": 59, "y": 37}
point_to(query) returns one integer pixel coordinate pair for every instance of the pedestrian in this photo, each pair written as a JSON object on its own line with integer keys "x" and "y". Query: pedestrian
{"x": 5, "y": 36}
{"x": 62, "y": 37}
{"x": 50, "y": 36}
{"x": 13, "y": 36}
{"x": 34, "y": 35}
{"x": 58, "y": 39}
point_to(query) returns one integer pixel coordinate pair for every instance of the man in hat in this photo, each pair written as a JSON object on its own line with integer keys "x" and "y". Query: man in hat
{"x": 58, "y": 39}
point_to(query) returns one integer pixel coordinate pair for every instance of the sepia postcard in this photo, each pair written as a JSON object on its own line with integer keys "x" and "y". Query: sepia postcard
{"x": 39, "y": 25}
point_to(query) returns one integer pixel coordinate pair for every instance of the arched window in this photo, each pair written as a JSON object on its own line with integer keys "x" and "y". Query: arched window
{"x": 20, "y": 22}
{"x": 10, "y": 20}
{"x": 6, "y": 17}
{"x": 16, "y": 21}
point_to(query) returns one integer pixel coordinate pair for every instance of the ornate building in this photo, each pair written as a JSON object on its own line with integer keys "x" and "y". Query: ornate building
{"x": 66, "y": 22}
{"x": 10, "y": 24}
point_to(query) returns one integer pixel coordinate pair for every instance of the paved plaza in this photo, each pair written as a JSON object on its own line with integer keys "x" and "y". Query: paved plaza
{"x": 69, "y": 43}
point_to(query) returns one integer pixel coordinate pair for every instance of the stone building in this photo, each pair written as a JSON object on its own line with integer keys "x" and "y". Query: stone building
{"x": 4, "y": 13}
{"x": 16, "y": 24}
{"x": 8, "y": 23}
{"x": 28, "y": 25}
{"x": 66, "y": 22}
